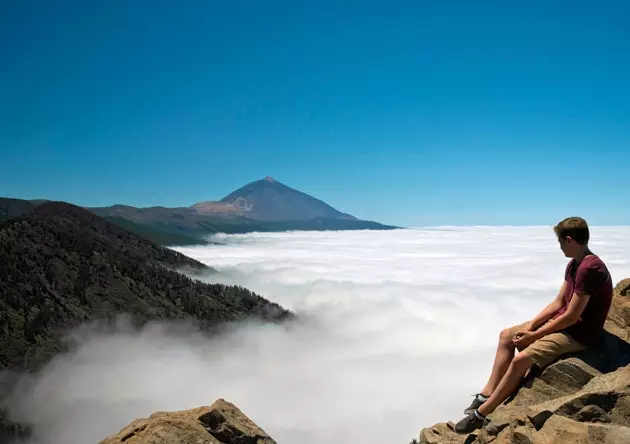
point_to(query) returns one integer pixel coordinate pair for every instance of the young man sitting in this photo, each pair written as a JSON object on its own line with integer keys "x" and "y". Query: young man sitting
{"x": 571, "y": 323}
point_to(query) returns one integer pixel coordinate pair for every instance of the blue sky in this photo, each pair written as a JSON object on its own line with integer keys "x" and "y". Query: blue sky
{"x": 412, "y": 113}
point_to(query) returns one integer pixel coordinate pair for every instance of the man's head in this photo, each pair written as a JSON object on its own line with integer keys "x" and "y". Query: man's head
{"x": 573, "y": 236}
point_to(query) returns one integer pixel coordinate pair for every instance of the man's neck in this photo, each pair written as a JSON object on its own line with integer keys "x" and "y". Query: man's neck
{"x": 582, "y": 254}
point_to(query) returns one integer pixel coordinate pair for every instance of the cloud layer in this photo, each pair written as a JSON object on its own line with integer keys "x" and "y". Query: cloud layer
{"x": 398, "y": 328}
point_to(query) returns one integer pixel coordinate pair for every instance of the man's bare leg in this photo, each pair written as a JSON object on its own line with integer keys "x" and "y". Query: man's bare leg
{"x": 502, "y": 360}
{"x": 508, "y": 384}
{"x": 510, "y": 381}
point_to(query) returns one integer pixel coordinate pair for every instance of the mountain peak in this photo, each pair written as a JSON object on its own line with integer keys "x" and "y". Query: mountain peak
{"x": 269, "y": 200}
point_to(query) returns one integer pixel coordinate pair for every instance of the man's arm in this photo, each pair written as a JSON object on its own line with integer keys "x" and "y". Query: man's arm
{"x": 549, "y": 310}
{"x": 566, "y": 319}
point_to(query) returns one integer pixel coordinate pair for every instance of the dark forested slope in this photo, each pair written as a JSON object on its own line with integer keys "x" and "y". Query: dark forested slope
{"x": 61, "y": 265}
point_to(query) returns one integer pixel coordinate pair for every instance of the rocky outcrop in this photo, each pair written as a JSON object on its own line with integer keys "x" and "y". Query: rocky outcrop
{"x": 618, "y": 322}
{"x": 584, "y": 398}
{"x": 221, "y": 423}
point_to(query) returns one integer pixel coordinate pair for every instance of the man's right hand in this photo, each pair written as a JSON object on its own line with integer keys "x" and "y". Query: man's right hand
{"x": 530, "y": 326}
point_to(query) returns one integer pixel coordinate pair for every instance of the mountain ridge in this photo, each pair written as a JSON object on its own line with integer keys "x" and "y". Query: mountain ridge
{"x": 264, "y": 205}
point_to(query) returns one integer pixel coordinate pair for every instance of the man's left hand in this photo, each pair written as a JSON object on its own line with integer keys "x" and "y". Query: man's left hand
{"x": 523, "y": 339}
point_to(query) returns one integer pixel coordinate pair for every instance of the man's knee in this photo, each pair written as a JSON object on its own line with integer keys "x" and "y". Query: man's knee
{"x": 522, "y": 361}
{"x": 506, "y": 336}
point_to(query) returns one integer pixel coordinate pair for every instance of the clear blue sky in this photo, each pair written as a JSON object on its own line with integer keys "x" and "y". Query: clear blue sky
{"x": 412, "y": 113}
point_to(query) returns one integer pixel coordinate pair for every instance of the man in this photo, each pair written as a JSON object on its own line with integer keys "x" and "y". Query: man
{"x": 571, "y": 323}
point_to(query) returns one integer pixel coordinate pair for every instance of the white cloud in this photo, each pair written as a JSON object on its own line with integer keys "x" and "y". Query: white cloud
{"x": 399, "y": 328}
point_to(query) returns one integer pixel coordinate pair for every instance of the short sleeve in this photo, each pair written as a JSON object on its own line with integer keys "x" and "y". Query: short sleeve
{"x": 588, "y": 280}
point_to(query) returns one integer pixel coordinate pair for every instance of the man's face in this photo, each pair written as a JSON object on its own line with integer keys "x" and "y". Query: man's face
{"x": 566, "y": 244}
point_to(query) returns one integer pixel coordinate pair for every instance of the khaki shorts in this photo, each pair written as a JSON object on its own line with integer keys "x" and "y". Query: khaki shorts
{"x": 548, "y": 348}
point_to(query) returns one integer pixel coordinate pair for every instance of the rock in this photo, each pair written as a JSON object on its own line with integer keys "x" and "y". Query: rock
{"x": 592, "y": 413}
{"x": 583, "y": 398}
{"x": 618, "y": 322}
{"x": 439, "y": 433}
{"x": 221, "y": 423}
{"x": 559, "y": 379}
{"x": 598, "y": 413}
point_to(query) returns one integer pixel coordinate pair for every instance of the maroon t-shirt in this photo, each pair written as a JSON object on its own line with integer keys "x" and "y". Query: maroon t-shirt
{"x": 592, "y": 278}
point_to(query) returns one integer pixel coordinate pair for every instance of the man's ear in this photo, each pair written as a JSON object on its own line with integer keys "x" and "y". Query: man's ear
{"x": 569, "y": 239}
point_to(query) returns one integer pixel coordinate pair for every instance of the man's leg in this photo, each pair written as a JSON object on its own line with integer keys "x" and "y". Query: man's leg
{"x": 543, "y": 351}
{"x": 508, "y": 384}
{"x": 502, "y": 360}
{"x": 510, "y": 381}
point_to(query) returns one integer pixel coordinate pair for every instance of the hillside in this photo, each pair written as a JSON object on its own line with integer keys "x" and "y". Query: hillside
{"x": 61, "y": 265}
{"x": 10, "y": 208}
{"x": 160, "y": 236}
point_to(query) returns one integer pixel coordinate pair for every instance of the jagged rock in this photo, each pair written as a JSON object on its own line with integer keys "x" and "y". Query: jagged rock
{"x": 221, "y": 423}
{"x": 584, "y": 398}
{"x": 592, "y": 413}
{"x": 618, "y": 322}
{"x": 439, "y": 434}
{"x": 562, "y": 378}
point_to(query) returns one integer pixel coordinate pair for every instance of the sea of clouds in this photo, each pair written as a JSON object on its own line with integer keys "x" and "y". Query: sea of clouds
{"x": 397, "y": 329}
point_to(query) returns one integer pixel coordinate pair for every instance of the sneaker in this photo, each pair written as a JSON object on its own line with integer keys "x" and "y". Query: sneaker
{"x": 470, "y": 423}
{"x": 475, "y": 404}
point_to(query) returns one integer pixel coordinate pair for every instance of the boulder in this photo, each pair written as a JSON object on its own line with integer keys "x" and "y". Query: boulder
{"x": 618, "y": 322}
{"x": 220, "y": 423}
